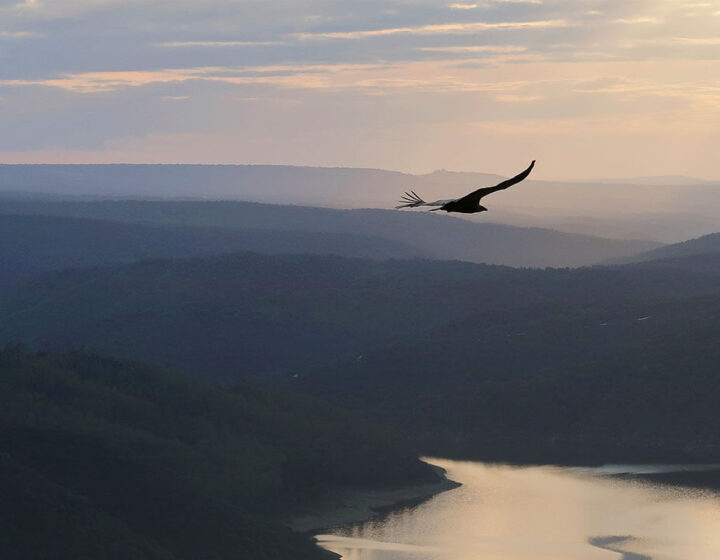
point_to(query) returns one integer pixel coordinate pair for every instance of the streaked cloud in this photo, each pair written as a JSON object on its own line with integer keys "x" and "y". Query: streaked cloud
{"x": 639, "y": 19}
{"x": 436, "y": 29}
{"x": 16, "y": 34}
{"x": 516, "y": 98}
{"x": 475, "y": 49}
{"x": 216, "y": 44}
{"x": 694, "y": 40}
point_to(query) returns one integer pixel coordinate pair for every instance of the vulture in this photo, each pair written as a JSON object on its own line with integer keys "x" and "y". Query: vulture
{"x": 468, "y": 204}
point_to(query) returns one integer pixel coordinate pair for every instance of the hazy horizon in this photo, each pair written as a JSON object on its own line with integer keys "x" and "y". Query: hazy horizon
{"x": 669, "y": 179}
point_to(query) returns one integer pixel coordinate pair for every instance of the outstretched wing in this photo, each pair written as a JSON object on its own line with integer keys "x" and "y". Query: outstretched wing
{"x": 412, "y": 200}
{"x": 475, "y": 196}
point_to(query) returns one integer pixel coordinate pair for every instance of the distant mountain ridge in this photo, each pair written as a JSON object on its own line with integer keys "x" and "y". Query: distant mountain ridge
{"x": 657, "y": 209}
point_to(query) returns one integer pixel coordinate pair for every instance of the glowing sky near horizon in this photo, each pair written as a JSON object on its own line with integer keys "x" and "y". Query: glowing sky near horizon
{"x": 589, "y": 88}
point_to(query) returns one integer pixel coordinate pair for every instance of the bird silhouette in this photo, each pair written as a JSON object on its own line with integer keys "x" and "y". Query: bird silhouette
{"x": 468, "y": 204}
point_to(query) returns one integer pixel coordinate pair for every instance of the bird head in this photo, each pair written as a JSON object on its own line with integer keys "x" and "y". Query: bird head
{"x": 481, "y": 208}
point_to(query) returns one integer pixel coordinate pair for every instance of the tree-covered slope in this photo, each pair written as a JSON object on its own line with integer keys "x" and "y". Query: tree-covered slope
{"x": 32, "y": 243}
{"x": 108, "y": 459}
{"x": 254, "y": 315}
{"x": 705, "y": 245}
{"x": 462, "y": 358}
{"x": 576, "y": 381}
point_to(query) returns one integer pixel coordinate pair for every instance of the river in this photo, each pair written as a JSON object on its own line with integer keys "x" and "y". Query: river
{"x": 541, "y": 513}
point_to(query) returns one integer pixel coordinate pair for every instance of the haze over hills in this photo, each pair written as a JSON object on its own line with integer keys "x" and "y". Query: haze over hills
{"x": 35, "y": 243}
{"x": 404, "y": 233}
{"x": 465, "y": 360}
{"x": 667, "y": 211}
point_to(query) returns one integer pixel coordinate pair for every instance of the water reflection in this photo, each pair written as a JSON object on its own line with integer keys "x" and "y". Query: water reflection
{"x": 541, "y": 513}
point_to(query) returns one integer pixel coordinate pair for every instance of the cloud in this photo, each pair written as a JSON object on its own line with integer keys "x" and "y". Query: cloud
{"x": 436, "y": 29}
{"x": 639, "y": 20}
{"x": 475, "y": 49}
{"x": 16, "y": 34}
{"x": 216, "y": 44}
{"x": 516, "y": 98}
{"x": 462, "y": 6}
{"x": 290, "y": 76}
{"x": 694, "y": 40}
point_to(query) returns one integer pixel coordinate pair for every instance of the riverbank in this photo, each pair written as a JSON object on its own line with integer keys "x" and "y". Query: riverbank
{"x": 706, "y": 479}
{"x": 353, "y": 506}
{"x": 502, "y": 511}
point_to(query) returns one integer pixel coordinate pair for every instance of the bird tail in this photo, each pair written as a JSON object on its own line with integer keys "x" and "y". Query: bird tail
{"x": 411, "y": 200}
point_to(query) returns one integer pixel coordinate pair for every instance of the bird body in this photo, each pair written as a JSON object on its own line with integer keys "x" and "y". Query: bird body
{"x": 468, "y": 204}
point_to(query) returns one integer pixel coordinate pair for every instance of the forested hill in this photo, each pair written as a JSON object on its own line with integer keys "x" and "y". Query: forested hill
{"x": 463, "y": 358}
{"x": 116, "y": 460}
{"x": 563, "y": 382}
{"x": 426, "y": 234}
{"x": 249, "y": 315}
{"x": 34, "y": 243}
{"x": 705, "y": 245}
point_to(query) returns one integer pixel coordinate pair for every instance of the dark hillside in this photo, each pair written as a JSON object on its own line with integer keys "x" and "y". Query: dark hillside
{"x": 705, "y": 245}
{"x": 567, "y": 382}
{"x": 108, "y": 459}
{"x": 248, "y": 315}
{"x": 33, "y": 243}
{"x": 706, "y": 263}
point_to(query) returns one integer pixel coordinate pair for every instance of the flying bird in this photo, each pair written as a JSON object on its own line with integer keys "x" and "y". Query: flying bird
{"x": 468, "y": 204}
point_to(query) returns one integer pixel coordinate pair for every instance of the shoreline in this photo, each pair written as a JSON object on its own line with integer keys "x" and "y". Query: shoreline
{"x": 703, "y": 480}
{"x": 354, "y": 506}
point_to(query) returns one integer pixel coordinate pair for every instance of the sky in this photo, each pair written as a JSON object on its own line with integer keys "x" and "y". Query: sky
{"x": 589, "y": 88}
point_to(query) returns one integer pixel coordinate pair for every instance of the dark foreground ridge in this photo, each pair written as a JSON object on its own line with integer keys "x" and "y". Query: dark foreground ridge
{"x": 107, "y": 459}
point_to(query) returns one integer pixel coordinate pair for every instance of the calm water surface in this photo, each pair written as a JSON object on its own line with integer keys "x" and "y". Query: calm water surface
{"x": 541, "y": 513}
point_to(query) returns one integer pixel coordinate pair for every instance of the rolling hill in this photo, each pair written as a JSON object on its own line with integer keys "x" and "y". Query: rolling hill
{"x": 430, "y": 235}
{"x": 33, "y": 243}
{"x": 465, "y": 359}
{"x": 576, "y": 382}
{"x": 660, "y": 209}
{"x": 250, "y": 315}
{"x": 705, "y": 245}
